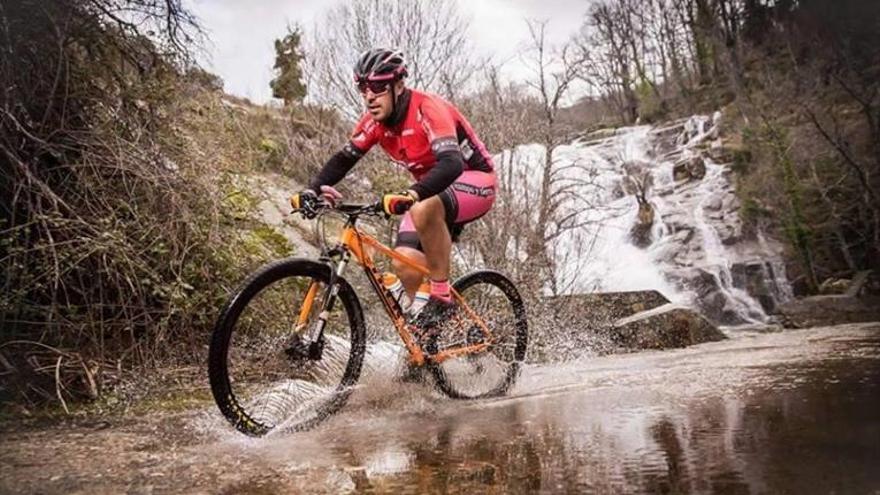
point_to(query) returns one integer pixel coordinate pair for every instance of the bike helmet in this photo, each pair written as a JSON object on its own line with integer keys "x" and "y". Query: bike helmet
{"x": 380, "y": 64}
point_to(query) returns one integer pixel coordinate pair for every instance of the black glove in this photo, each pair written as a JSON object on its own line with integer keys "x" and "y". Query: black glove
{"x": 306, "y": 202}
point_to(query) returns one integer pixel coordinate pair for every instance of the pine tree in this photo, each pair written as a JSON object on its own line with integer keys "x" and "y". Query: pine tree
{"x": 287, "y": 84}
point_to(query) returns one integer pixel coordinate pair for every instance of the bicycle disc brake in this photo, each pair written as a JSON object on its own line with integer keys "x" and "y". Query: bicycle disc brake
{"x": 299, "y": 349}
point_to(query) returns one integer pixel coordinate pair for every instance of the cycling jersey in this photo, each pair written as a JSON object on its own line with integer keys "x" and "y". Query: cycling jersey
{"x": 432, "y": 140}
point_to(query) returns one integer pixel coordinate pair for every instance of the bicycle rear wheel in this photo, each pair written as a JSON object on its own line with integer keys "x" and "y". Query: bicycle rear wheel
{"x": 258, "y": 379}
{"x": 492, "y": 372}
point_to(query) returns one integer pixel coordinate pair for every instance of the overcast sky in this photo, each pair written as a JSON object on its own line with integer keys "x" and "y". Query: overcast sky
{"x": 241, "y": 33}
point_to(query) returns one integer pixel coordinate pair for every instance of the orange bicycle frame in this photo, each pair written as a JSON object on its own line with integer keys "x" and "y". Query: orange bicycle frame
{"x": 354, "y": 242}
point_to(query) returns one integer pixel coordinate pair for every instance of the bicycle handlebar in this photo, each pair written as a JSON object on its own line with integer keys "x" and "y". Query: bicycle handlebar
{"x": 348, "y": 209}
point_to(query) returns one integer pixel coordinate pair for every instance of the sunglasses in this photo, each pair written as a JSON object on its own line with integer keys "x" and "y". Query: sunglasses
{"x": 375, "y": 87}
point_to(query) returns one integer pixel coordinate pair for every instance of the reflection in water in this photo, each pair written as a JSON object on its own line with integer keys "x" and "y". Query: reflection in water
{"x": 739, "y": 423}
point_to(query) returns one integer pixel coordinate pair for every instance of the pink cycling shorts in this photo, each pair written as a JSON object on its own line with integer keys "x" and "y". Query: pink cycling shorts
{"x": 467, "y": 199}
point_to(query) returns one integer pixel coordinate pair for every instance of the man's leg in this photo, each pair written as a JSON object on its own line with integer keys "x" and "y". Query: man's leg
{"x": 429, "y": 217}
{"x": 410, "y": 277}
{"x": 408, "y": 245}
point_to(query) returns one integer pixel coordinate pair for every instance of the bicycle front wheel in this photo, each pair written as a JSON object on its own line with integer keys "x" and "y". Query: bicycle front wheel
{"x": 490, "y": 373}
{"x": 261, "y": 375}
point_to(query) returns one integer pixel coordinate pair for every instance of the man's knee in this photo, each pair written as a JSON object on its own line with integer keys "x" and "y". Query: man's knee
{"x": 428, "y": 212}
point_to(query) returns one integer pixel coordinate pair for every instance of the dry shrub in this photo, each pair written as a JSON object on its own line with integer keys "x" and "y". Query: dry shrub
{"x": 118, "y": 232}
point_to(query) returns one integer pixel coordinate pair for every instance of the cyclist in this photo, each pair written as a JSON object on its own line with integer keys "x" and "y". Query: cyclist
{"x": 454, "y": 173}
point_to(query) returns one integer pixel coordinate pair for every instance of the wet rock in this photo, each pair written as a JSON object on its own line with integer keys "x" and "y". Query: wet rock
{"x": 678, "y": 221}
{"x": 664, "y": 138}
{"x": 729, "y": 229}
{"x": 714, "y": 204}
{"x": 694, "y": 127}
{"x": 828, "y": 310}
{"x": 834, "y": 286}
{"x": 666, "y": 191}
{"x": 665, "y": 327}
{"x": 693, "y": 168}
{"x": 602, "y": 308}
{"x": 755, "y": 277}
{"x": 683, "y": 236}
{"x": 640, "y": 234}
{"x": 669, "y": 131}
{"x": 710, "y": 298}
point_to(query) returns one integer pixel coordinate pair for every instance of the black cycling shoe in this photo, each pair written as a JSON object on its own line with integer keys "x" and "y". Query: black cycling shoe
{"x": 412, "y": 374}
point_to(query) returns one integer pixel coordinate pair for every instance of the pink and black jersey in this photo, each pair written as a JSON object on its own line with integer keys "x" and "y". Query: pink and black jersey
{"x": 429, "y": 128}
{"x": 434, "y": 141}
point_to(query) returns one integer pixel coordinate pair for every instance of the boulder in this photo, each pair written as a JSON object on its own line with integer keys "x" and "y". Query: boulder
{"x": 756, "y": 278}
{"x": 665, "y": 327}
{"x": 640, "y": 234}
{"x": 711, "y": 298}
{"x": 834, "y": 286}
{"x": 571, "y": 323}
{"x": 693, "y": 168}
{"x": 829, "y": 310}
{"x": 602, "y": 308}
{"x": 859, "y": 303}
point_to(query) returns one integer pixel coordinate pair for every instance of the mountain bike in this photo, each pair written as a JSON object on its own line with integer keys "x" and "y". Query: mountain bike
{"x": 289, "y": 345}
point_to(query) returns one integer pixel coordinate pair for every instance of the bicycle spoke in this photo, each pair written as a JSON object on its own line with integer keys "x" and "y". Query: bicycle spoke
{"x": 272, "y": 386}
{"x": 496, "y": 322}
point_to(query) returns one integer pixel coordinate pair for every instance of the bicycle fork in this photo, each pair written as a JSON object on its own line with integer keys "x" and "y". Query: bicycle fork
{"x": 316, "y": 340}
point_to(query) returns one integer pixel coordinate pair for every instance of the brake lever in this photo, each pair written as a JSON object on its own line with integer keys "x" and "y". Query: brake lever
{"x": 380, "y": 210}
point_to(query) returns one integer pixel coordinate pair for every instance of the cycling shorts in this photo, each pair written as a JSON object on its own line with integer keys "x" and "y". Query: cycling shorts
{"x": 468, "y": 198}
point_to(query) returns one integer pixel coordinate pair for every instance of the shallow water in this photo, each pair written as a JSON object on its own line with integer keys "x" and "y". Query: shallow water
{"x": 790, "y": 412}
{"x": 794, "y": 412}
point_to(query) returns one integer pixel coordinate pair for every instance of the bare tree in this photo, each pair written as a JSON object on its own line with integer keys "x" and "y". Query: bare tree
{"x": 608, "y": 65}
{"x": 541, "y": 196}
{"x": 431, "y": 33}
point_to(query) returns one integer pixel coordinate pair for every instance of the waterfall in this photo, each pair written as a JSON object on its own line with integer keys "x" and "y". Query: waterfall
{"x": 699, "y": 254}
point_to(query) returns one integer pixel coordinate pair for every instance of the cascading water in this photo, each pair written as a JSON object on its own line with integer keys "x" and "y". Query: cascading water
{"x": 716, "y": 260}
{"x": 696, "y": 252}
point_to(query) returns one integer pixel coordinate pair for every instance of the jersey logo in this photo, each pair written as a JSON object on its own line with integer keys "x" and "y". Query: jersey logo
{"x": 483, "y": 192}
{"x": 444, "y": 144}
{"x": 359, "y": 137}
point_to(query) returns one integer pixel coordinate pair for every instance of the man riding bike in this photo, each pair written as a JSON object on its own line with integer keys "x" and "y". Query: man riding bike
{"x": 454, "y": 173}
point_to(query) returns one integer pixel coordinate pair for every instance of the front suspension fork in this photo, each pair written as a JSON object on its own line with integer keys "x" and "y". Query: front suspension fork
{"x": 316, "y": 339}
